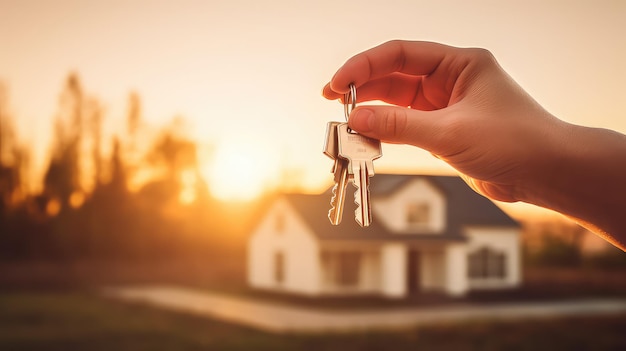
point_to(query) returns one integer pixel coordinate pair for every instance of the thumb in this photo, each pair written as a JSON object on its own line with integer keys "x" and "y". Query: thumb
{"x": 400, "y": 125}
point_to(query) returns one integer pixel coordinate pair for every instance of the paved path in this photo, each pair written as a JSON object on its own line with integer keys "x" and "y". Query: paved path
{"x": 274, "y": 317}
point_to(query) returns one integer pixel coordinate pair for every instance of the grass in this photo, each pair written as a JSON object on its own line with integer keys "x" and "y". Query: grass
{"x": 81, "y": 320}
{"x": 539, "y": 284}
{"x": 56, "y": 306}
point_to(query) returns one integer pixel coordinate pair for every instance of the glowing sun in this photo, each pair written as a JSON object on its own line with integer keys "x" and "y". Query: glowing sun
{"x": 241, "y": 170}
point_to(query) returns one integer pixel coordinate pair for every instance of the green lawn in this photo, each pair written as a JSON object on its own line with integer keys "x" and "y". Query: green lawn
{"x": 82, "y": 320}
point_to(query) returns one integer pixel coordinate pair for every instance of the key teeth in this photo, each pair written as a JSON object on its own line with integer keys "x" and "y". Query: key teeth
{"x": 357, "y": 197}
{"x": 333, "y": 209}
{"x": 357, "y": 212}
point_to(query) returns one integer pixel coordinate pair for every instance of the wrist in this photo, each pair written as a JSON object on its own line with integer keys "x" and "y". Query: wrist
{"x": 548, "y": 157}
{"x": 581, "y": 175}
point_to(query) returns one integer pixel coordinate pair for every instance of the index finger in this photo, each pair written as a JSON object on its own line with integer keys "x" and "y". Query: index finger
{"x": 409, "y": 57}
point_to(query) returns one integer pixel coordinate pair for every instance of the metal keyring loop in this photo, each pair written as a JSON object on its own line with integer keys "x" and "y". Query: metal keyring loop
{"x": 349, "y": 101}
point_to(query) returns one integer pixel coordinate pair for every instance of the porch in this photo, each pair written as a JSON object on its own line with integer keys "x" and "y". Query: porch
{"x": 394, "y": 270}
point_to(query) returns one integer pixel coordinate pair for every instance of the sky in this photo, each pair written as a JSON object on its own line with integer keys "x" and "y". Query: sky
{"x": 247, "y": 75}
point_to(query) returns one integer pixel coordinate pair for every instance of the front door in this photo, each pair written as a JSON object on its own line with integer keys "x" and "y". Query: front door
{"x": 413, "y": 272}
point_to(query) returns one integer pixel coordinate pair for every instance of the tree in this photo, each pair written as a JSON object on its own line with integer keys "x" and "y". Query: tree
{"x": 13, "y": 157}
{"x": 133, "y": 116}
{"x": 62, "y": 177}
{"x": 94, "y": 119}
{"x": 118, "y": 170}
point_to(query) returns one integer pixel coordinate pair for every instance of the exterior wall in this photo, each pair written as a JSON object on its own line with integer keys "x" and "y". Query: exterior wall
{"x": 456, "y": 281}
{"x": 391, "y": 211}
{"x": 393, "y": 270}
{"x": 382, "y": 266}
{"x": 298, "y": 246}
{"x": 505, "y": 240}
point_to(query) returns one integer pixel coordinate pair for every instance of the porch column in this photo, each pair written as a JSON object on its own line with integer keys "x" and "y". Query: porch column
{"x": 393, "y": 270}
{"x": 456, "y": 283}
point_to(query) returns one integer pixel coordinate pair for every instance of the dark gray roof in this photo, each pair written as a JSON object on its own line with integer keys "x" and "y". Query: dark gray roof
{"x": 464, "y": 207}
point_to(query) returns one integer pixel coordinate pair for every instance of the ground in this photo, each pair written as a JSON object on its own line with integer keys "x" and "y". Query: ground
{"x": 80, "y": 320}
{"x": 50, "y": 309}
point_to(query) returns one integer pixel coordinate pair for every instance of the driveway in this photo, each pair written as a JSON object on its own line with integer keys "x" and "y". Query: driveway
{"x": 278, "y": 318}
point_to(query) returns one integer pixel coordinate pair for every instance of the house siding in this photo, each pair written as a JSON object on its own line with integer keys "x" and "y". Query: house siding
{"x": 297, "y": 245}
{"x": 393, "y": 270}
{"x": 456, "y": 269}
{"x": 392, "y": 211}
{"x": 389, "y": 259}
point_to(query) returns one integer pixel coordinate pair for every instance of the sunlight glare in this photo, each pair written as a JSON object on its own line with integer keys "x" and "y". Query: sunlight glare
{"x": 241, "y": 170}
{"x": 189, "y": 182}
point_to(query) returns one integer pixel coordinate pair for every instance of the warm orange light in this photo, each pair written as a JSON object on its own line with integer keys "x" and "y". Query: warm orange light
{"x": 140, "y": 177}
{"x": 241, "y": 169}
{"x": 77, "y": 199}
{"x": 189, "y": 182}
{"x": 53, "y": 207}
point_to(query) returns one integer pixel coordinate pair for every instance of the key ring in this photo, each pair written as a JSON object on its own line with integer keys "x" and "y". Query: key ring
{"x": 349, "y": 101}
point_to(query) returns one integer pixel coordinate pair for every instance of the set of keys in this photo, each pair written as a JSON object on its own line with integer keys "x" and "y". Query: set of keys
{"x": 353, "y": 155}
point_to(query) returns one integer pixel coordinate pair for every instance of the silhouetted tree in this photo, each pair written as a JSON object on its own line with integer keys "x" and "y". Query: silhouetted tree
{"x": 173, "y": 153}
{"x": 560, "y": 245}
{"x": 6, "y": 173}
{"x": 118, "y": 172}
{"x": 170, "y": 156}
{"x": 112, "y": 222}
{"x": 94, "y": 119}
{"x": 62, "y": 177}
{"x": 3, "y": 118}
{"x": 133, "y": 115}
{"x": 13, "y": 157}
{"x": 15, "y": 221}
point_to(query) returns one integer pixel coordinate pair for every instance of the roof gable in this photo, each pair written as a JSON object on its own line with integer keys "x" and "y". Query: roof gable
{"x": 464, "y": 208}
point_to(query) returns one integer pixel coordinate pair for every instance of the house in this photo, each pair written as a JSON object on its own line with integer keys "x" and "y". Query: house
{"x": 429, "y": 233}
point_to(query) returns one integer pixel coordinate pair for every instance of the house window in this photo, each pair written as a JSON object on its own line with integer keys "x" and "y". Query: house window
{"x": 417, "y": 213}
{"x": 487, "y": 263}
{"x": 348, "y": 268}
{"x": 279, "y": 267}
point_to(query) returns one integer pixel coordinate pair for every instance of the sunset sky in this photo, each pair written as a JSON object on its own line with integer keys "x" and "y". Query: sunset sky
{"x": 247, "y": 75}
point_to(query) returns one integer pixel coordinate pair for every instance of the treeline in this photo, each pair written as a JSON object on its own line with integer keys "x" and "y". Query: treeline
{"x": 86, "y": 209}
{"x": 560, "y": 243}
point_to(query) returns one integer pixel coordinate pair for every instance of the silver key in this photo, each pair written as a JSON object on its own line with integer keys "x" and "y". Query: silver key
{"x": 340, "y": 170}
{"x": 331, "y": 146}
{"x": 360, "y": 151}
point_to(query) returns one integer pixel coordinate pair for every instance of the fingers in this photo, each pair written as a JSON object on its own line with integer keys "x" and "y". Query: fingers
{"x": 396, "y": 89}
{"x": 413, "y": 58}
{"x": 400, "y": 125}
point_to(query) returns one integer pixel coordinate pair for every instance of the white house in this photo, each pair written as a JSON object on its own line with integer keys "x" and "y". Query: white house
{"x": 429, "y": 233}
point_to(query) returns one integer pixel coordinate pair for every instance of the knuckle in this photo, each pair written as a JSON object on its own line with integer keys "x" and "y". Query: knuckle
{"x": 457, "y": 129}
{"x": 394, "y": 42}
{"x": 450, "y": 134}
{"x": 393, "y": 123}
{"x": 481, "y": 56}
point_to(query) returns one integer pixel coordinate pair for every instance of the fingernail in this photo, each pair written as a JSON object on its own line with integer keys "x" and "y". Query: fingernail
{"x": 361, "y": 120}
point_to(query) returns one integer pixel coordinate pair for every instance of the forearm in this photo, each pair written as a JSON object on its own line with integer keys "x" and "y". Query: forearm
{"x": 582, "y": 174}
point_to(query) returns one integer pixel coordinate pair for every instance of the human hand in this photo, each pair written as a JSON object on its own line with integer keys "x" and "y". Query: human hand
{"x": 456, "y": 103}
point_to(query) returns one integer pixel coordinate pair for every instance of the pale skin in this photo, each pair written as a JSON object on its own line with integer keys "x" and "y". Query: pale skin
{"x": 461, "y": 106}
